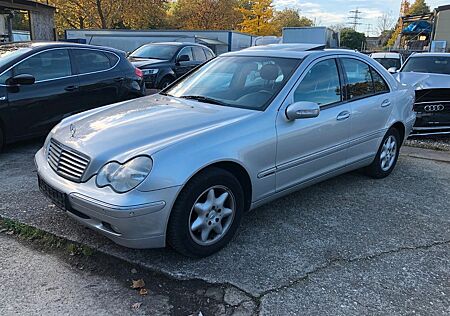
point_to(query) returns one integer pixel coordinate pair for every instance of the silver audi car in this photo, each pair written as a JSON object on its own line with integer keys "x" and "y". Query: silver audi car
{"x": 181, "y": 167}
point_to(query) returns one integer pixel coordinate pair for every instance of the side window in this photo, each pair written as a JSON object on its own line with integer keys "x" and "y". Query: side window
{"x": 321, "y": 84}
{"x": 113, "y": 59}
{"x": 90, "y": 60}
{"x": 186, "y": 51}
{"x": 51, "y": 64}
{"x": 199, "y": 55}
{"x": 359, "y": 78}
{"x": 379, "y": 84}
{"x": 208, "y": 54}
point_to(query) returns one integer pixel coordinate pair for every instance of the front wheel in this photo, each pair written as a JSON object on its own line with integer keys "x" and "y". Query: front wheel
{"x": 386, "y": 157}
{"x": 206, "y": 214}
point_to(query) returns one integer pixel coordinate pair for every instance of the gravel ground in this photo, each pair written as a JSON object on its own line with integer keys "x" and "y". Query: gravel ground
{"x": 436, "y": 143}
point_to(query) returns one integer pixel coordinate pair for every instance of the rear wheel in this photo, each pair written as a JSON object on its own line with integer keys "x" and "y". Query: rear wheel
{"x": 206, "y": 214}
{"x": 387, "y": 155}
{"x": 2, "y": 139}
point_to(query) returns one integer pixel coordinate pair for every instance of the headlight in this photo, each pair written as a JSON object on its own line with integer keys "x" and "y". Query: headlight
{"x": 150, "y": 71}
{"x": 124, "y": 177}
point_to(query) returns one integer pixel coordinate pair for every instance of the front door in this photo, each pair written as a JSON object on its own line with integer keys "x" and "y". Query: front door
{"x": 182, "y": 67}
{"x": 37, "y": 107}
{"x": 311, "y": 147}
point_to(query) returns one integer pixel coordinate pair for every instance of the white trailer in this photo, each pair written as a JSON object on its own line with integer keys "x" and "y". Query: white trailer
{"x": 311, "y": 35}
{"x": 128, "y": 40}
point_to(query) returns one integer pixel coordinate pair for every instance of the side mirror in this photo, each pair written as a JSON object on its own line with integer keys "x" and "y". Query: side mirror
{"x": 23, "y": 79}
{"x": 392, "y": 70}
{"x": 299, "y": 110}
{"x": 183, "y": 58}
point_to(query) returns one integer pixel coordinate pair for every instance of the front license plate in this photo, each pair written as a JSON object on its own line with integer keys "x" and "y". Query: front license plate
{"x": 58, "y": 198}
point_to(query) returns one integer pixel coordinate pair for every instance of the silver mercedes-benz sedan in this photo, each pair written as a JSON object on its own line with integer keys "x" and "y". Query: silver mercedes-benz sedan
{"x": 182, "y": 166}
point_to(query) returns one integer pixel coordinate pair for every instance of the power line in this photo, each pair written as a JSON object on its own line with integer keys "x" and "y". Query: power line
{"x": 355, "y": 18}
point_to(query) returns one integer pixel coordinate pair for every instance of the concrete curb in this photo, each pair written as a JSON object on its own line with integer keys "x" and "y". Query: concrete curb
{"x": 429, "y": 154}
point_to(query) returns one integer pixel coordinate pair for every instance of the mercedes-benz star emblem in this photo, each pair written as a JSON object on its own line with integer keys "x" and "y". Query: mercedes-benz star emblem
{"x": 73, "y": 130}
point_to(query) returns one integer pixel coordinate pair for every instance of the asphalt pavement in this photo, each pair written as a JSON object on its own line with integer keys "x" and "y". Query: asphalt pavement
{"x": 349, "y": 245}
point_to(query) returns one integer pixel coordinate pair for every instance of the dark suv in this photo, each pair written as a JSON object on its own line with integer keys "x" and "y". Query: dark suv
{"x": 42, "y": 83}
{"x": 162, "y": 63}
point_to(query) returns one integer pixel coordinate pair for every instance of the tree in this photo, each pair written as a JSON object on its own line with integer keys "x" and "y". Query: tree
{"x": 289, "y": 18}
{"x": 352, "y": 39}
{"x": 108, "y": 13}
{"x": 385, "y": 22}
{"x": 258, "y": 19}
{"x": 419, "y": 7}
{"x": 205, "y": 14}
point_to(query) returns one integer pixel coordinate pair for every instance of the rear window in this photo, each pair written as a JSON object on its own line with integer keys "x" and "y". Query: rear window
{"x": 429, "y": 64}
{"x": 389, "y": 62}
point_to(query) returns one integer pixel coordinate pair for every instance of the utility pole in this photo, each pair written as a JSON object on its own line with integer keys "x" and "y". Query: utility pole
{"x": 355, "y": 18}
{"x": 369, "y": 29}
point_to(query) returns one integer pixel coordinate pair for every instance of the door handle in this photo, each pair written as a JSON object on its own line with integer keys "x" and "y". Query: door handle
{"x": 71, "y": 88}
{"x": 385, "y": 103}
{"x": 343, "y": 115}
{"x": 119, "y": 79}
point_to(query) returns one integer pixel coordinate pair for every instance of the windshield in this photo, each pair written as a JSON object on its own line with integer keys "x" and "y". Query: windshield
{"x": 240, "y": 81}
{"x": 389, "y": 62}
{"x": 429, "y": 64}
{"x": 155, "y": 51}
{"x": 9, "y": 53}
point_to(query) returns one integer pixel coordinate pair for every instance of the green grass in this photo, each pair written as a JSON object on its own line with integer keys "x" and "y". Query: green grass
{"x": 43, "y": 238}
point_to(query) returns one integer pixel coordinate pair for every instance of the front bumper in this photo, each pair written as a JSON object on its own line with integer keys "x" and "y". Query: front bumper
{"x": 135, "y": 219}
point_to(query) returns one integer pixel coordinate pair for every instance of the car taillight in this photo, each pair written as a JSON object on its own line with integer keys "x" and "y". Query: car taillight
{"x": 138, "y": 72}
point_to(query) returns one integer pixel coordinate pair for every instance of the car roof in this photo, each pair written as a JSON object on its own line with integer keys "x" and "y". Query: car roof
{"x": 429, "y": 54}
{"x": 273, "y": 51}
{"x": 385, "y": 55}
{"x": 38, "y": 45}
{"x": 175, "y": 44}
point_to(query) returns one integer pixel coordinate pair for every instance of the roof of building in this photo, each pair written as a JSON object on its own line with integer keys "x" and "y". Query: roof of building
{"x": 25, "y": 5}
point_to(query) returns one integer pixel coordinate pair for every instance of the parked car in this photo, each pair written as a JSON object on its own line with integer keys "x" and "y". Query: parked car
{"x": 429, "y": 73}
{"x": 182, "y": 166}
{"x": 42, "y": 83}
{"x": 163, "y": 63}
{"x": 389, "y": 60}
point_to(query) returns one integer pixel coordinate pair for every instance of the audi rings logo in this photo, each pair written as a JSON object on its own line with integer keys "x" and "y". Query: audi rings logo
{"x": 433, "y": 108}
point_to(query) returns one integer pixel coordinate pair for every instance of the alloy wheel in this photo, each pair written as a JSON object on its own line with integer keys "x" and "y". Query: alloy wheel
{"x": 211, "y": 215}
{"x": 388, "y": 153}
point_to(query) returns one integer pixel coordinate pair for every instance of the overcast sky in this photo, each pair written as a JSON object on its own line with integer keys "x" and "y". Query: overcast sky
{"x": 329, "y": 12}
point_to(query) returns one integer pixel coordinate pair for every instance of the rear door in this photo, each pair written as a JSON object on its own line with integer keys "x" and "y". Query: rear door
{"x": 309, "y": 148}
{"x": 371, "y": 105}
{"x": 36, "y": 108}
{"x": 100, "y": 79}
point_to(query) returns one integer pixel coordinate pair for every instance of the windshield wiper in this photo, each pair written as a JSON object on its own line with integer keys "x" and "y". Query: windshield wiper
{"x": 203, "y": 99}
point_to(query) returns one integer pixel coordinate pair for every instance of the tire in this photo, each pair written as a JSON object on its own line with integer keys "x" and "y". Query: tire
{"x": 385, "y": 159}
{"x": 2, "y": 140}
{"x": 209, "y": 214}
{"x": 165, "y": 82}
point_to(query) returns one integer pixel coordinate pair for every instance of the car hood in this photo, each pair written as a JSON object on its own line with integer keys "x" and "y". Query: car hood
{"x": 420, "y": 80}
{"x": 141, "y": 126}
{"x": 143, "y": 62}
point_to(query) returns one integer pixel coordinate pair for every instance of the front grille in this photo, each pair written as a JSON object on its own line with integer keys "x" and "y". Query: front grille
{"x": 66, "y": 162}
